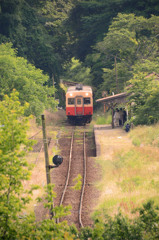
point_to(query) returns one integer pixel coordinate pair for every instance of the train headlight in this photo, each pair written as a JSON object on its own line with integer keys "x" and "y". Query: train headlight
{"x": 86, "y": 94}
{"x": 71, "y": 94}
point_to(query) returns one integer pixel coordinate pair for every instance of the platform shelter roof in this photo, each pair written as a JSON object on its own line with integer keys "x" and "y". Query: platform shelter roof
{"x": 114, "y": 99}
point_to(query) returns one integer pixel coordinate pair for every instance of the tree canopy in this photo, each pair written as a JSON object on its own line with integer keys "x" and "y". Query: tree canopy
{"x": 107, "y": 38}
{"x": 77, "y": 72}
{"x": 30, "y": 82}
{"x": 13, "y": 168}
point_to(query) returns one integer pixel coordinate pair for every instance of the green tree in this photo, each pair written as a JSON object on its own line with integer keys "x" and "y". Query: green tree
{"x": 144, "y": 225}
{"x": 17, "y": 73}
{"x": 143, "y": 98}
{"x": 89, "y": 20}
{"x": 76, "y": 72}
{"x": 148, "y": 220}
{"x": 22, "y": 23}
{"x": 14, "y": 168}
{"x": 130, "y": 40}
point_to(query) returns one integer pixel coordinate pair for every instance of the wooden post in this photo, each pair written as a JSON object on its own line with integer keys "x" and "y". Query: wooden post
{"x": 46, "y": 150}
{"x": 48, "y": 178}
{"x": 112, "y": 117}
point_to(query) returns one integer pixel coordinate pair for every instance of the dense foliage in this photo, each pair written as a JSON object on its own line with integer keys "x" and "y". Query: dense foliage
{"x": 36, "y": 29}
{"x": 30, "y": 82}
{"x": 77, "y": 72}
{"x": 107, "y": 38}
{"x": 119, "y": 227}
{"x": 14, "y": 170}
{"x": 143, "y": 99}
{"x": 13, "y": 166}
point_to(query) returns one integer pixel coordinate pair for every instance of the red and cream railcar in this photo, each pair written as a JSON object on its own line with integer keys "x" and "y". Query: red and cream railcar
{"x": 79, "y": 104}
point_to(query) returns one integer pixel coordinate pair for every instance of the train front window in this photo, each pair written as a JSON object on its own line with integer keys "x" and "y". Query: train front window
{"x": 87, "y": 100}
{"x": 71, "y": 101}
{"x": 78, "y": 101}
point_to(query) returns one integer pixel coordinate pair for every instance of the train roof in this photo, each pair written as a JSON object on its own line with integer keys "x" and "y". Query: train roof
{"x": 79, "y": 87}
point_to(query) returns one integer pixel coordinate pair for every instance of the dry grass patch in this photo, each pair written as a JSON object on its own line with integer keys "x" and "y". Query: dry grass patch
{"x": 130, "y": 173}
{"x": 145, "y": 135}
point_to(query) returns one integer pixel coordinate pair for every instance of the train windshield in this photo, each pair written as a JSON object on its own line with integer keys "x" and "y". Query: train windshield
{"x": 71, "y": 101}
{"x": 87, "y": 100}
{"x": 78, "y": 101}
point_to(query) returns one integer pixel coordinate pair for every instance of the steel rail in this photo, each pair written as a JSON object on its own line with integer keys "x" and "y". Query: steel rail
{"x": 68, "y": 172}
{"x": 69, "y": 167}
{"x": 84, "y": 179}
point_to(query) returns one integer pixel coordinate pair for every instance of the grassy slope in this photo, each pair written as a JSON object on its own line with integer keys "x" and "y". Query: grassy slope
{"x": 130, "y": 166}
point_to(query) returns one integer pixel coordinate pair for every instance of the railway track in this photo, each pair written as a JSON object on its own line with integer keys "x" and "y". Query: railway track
{"x": 76, "y": 166}
{"x": 72, "y": 148}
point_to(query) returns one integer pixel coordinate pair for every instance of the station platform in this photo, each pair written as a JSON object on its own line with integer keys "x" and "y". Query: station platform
{"x": 108, "y": 140}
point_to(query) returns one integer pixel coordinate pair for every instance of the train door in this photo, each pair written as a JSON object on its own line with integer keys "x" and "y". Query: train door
{"x": 79, "y": 106}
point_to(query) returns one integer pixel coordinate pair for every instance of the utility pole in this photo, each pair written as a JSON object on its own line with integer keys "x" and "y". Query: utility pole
{"x": 57, "y": 160}
{"x": 48, "y": 178}
{"x": 46, "y": 150}
{"x": 116, "y": 76}
{"x": 112, "y": 108}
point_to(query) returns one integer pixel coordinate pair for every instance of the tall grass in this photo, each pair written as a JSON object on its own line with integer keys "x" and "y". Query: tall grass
{"x": 102, "y": 118}
{"x": 131, "y": 174}
{"x": 146, "y": 135}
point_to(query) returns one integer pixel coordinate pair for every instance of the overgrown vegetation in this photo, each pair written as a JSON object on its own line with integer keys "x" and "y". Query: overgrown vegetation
{"x": 102, "y": 118}
{"x": 13, "y": 168}
{"x": 130, "y": 170}
{"x": 146, "y": 135}
{"x": 100, "y": 43}
{"x": 144, "y": 100}
{"x": 143, "y": 223}
{"x": 31, "y": 83}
